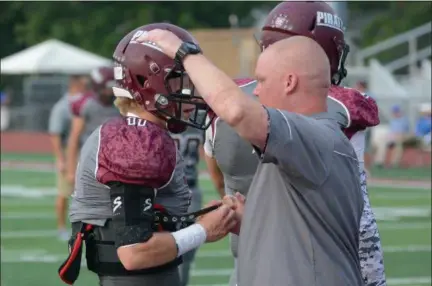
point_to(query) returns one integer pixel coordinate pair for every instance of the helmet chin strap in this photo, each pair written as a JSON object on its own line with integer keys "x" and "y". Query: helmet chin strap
{"x": 175, "y": 126}
{"x": 342, "y": 71}
{"x": 171, "y": 124}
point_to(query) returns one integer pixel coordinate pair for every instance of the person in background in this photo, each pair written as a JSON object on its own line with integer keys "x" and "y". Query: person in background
{"x": 88, "y": 113}
{"x": 398, "y": 133}
{"x": 4, "y": 112}
{"x": 423, "y": 125}
{"x": 58, "y": 128}
{"x": 362, "y": 86}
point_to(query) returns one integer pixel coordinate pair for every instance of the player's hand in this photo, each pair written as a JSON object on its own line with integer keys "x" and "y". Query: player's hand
{"x": 218, "y": 223}
{"x": 70, "y": 176}
{"x": 61, "y": 165}
{"x": 164, "y": 39}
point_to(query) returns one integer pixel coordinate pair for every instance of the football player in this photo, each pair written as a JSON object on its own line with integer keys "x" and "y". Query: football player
{"x": 354, "y": 111}
{"x": 89, "y": 112}
{"x": 131, "y": 195}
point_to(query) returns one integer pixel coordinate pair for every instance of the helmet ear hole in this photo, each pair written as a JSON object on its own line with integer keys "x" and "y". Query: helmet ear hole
{"x": 141, "y": 80}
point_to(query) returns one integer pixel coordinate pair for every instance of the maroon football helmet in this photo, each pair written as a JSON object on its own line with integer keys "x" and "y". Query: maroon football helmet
{"x": 144, "y": 73}
{"x": 102, "y": 77}
{"x": 102, "y": 82}
{"x": 313, "y": 19}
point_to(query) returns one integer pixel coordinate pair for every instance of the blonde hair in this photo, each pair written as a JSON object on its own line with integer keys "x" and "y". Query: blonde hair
{"x": 125, "y": 105}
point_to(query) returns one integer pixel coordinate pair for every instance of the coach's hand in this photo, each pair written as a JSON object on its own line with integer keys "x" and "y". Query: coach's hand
{"x": 237, "y": 203}
{"x": 164, "y": 39}
{"x": 218, "y": 222}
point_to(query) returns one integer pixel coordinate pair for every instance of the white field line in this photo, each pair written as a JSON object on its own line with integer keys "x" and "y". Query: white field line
{"x": 37, "y": 256}
{"x": 42, "y": 255}
{"x": 409, "y": 281}
{"x": 382, "y": 225}
{"x": 372, "y": 182}
{"x": 17, "y": 191}
{"x": 27, "y": 216}
{"x": 52, "y": 233}
{"x": 398, "y": 196}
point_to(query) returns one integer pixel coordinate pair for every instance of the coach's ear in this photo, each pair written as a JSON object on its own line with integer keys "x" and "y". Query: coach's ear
{"x": 291, "y": 83}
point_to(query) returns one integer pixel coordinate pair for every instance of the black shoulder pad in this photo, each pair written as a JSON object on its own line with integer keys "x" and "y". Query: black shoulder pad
{"x": 132, "y": 207}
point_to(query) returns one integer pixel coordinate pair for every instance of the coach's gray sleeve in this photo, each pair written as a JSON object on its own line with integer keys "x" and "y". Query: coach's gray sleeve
{"x": 300, "y": 145}
{"x": 56, "y": 124}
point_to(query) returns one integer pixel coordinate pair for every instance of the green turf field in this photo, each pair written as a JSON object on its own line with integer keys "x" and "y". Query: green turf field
{"x": 30, "y": 253}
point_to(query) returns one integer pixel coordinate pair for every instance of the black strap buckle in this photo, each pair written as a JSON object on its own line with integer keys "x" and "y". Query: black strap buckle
{"x": 163, "y": 218}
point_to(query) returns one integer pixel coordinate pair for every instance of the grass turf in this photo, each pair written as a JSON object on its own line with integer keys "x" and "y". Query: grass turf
{"x": 31, "y": 254}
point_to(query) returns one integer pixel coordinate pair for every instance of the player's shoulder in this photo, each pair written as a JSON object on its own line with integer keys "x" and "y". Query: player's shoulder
{"x": 137, "y": 151}
{"x": 78, "y": 102}
{"x": 362, "y": 109}
{"x": 349, "y": 95}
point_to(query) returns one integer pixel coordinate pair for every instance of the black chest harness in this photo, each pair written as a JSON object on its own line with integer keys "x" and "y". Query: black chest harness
{"x": 101, "y": 251}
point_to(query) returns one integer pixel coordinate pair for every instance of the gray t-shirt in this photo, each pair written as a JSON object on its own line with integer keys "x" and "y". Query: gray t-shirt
{"x": 95, "y": 114}
{"x": 188, "y": 144}
{"x": 60, "y": 119}
{"x": 302, "y": 215}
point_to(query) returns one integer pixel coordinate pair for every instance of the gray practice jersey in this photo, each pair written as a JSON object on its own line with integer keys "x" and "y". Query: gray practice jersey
{"x": 302, "y": 215}
{"x": 235, "y": 157}
{"x": 188, "y": 144}
{"x": 93, "y": 112}
{"x": 60, "y": 119}
{"x": 134, "y": 151}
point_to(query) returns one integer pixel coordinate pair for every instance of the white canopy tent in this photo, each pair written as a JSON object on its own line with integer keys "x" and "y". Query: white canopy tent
{"x": 52, "y": 57}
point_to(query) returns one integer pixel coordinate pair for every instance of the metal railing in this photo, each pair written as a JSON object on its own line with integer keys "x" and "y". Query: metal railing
{"x": 408, "y": 59}
{"x": 409, "y": 36}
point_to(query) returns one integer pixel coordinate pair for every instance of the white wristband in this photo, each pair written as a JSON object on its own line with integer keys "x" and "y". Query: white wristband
{"x": 189, "y": 238}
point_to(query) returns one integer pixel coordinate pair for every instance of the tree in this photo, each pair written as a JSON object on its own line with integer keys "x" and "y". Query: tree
{"x": 98, "y": 26}
{"x": 399, "y": 17}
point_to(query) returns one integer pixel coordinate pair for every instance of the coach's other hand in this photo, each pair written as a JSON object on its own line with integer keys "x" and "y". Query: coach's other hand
{"x": 164, "y": 39}
{"x": 218, "y": 223}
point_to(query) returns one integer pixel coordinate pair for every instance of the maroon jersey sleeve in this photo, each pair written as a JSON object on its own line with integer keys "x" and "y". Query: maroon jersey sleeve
{"x": 243, "y": 81}
{"x": 77, "y": 104}
{"x": 135, "y": 151}
{"x": 362, "y": 109}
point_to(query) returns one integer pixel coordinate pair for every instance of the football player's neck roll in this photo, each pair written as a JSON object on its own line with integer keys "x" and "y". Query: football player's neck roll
{"x": 128, "y": 107}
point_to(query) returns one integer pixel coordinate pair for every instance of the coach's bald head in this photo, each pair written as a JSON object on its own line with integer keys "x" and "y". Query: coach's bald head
{"x": 294, "y": 74}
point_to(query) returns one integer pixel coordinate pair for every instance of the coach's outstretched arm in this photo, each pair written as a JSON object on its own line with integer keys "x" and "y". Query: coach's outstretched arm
{"x": 220, "y": 92}
{"x": 293, "y": 76}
